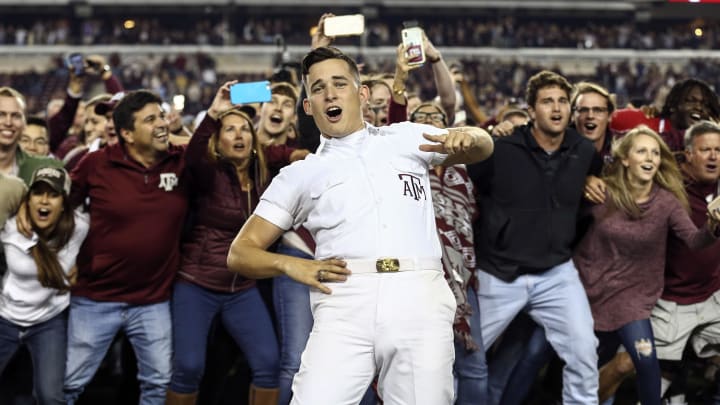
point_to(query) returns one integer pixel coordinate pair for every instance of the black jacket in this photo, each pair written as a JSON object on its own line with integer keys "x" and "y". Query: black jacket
{"x": 528, "y": 213}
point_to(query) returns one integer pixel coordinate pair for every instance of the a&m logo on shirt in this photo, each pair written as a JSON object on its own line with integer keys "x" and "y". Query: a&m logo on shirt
{"x": 412, "y": 186}
{"x": 168, "y": 181}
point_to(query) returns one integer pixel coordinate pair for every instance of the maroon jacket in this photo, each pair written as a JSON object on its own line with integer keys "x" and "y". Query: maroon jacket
{"x": 692, "y": 276}
{"x": 131, "y": 253}
{"x": 219, "y": 210}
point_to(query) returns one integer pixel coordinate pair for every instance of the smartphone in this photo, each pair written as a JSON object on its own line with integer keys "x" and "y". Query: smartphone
{"x": 344, "y": 25}
{"x": 76, "y": 63}
{"x": 412, "y": 38}
{"x": 178, "y": 102}
{"x": 713, "y": 204}
{"x": 250, "y": 92}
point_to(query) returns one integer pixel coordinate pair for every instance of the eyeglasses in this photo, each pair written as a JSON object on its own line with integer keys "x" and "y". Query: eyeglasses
{"x": 595, "y": 110}
{"x": 423, "y": 116}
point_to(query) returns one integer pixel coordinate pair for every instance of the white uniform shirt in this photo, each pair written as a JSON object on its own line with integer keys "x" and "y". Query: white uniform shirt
{"x": 363, "y": 196}
{"x": 23, "y": 300}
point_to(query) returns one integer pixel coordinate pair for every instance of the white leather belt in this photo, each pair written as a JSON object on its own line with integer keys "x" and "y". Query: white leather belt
{"x": 392, "y": 265}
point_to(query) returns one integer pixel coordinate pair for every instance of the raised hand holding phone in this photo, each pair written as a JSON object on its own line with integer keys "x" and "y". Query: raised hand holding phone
{"x": 221, "y": 102}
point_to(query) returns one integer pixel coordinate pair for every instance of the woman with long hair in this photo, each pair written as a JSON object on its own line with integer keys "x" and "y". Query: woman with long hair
{"x": 228, "y": 172}
{"x": 621, "y": 259}
{"x": 35, "y": 288}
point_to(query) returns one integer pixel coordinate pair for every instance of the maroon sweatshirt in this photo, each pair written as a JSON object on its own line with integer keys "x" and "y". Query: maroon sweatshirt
{"x": 131, "y": 253}
{"x": 692, "y": 276}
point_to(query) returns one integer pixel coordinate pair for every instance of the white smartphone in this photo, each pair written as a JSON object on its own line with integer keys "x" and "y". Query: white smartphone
{"x": 344, "y": 25}
{"x": 178, "y": 102}
{"x": 713, "y": 204}
{"x": 412, "y": 38}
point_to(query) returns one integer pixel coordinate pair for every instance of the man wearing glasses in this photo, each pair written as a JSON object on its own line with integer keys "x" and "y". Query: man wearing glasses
{"x": 592, "y": 108}
{"x": 35, "y": 139}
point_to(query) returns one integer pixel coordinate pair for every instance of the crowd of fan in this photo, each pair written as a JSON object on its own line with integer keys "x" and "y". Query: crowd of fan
{"x": 493, "y": 83}
{"x": 506, "y": 32}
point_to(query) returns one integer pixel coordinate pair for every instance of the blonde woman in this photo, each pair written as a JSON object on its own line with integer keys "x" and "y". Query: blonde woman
{"x": 621, "y": 259}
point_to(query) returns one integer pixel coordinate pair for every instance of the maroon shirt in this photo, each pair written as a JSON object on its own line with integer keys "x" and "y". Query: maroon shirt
{"x": 621, "y": 261}
{"x": 692, "y": 276}
{"x": 131, "y": 253}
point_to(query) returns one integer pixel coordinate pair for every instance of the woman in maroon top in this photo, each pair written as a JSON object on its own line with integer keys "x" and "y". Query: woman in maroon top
{"x": 621, "y": 259}
{"x": 227, "y": 170}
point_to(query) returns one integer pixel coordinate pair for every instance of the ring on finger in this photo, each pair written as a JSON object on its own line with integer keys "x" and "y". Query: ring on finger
{"x": 321, "y": 275}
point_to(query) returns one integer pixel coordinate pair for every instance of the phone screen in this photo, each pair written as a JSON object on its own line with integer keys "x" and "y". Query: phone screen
{"x": 344, "y": 25}
{"x": 76, "y": 63}
{"x": 413, "y": 41}
{"x": 251, "y": 92}
{"x": 178, "y": 102}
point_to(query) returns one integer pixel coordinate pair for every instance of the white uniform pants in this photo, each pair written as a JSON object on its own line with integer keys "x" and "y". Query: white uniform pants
{"x": 399, "y": 324}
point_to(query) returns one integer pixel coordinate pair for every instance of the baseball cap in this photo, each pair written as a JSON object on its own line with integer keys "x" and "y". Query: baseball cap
{"x": 104, "y": 107}
{"x": 55, "y": 177}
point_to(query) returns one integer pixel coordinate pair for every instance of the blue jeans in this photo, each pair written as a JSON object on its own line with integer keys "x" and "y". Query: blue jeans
{"x": 244, "y": 316}
{"x": 470, "y": 367}
{"x": 47, "y": 344}
{"x": 92, "y": 326}
{"x": 556, "y": 300}
{"x": 639, "y": 342}
{"x": 292, "y": 308}
{"x": 517, "y": 361}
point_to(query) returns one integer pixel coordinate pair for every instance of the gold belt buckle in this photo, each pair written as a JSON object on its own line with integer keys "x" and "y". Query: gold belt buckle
{"x": 387, "y": 265}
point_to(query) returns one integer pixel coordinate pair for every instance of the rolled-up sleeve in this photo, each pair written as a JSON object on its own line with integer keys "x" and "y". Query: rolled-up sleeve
{"x": 281, "y": 203}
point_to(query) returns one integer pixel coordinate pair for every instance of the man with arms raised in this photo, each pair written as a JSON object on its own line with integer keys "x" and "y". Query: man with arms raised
{"x": 529, "y": 193}
{"x": 365, "y": 197}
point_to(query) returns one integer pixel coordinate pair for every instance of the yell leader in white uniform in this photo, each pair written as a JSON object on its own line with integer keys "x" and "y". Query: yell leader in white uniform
{"x": 365, "y": 197}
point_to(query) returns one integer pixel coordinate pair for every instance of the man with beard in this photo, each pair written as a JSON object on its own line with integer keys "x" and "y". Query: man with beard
{"x": 688, "y": 102}
{"x": 529, "y": 193}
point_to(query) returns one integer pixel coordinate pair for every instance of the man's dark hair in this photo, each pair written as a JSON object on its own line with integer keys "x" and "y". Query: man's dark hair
{"x": 542, "y": 80}
{"x": 325, "y": 53}
{"x": 35, "y": 120}
{"x": 679, "y": 91}
{"x": 124, "y": 112}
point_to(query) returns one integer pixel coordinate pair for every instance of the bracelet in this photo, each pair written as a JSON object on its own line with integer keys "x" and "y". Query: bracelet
{"x": 436, "y": 60}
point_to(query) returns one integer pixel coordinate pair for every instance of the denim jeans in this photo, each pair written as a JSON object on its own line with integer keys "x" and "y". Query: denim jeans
{"x": 639, "y": 342}
{"x": 517, "y": 361}
{"x": 292, "y": 308}
{"x": 556, "y": 300}
{"x": 92, "y": 326}
{"x": 470, "y": 367}
{"x": 47, "y": 344}
{"x": 245, "y": 317}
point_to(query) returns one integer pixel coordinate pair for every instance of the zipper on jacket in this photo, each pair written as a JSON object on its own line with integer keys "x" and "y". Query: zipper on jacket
{"x": 146, "y": 179}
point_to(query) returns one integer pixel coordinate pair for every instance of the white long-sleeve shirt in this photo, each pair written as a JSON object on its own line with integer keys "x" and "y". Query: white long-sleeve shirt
{"x": 23, "y": 300}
